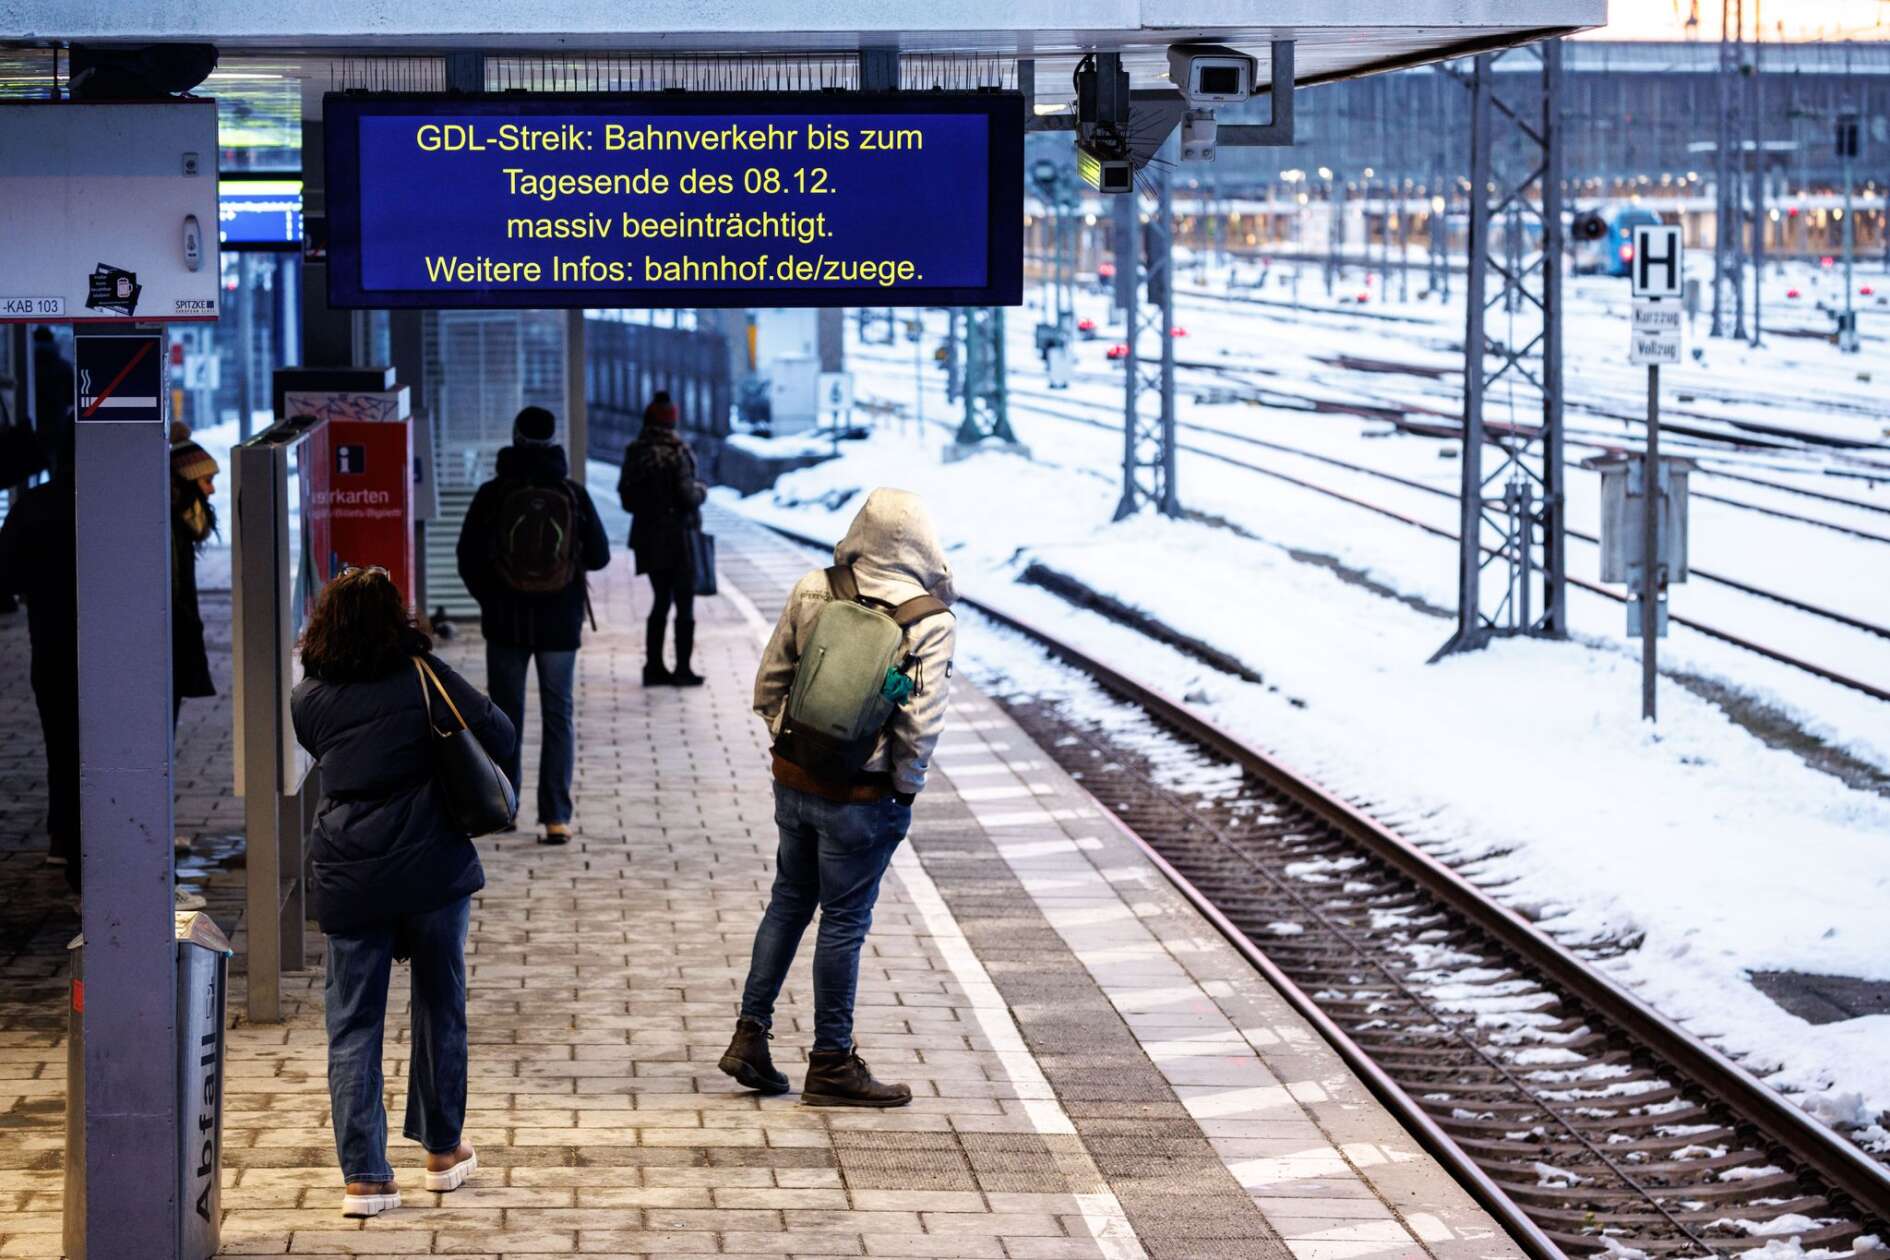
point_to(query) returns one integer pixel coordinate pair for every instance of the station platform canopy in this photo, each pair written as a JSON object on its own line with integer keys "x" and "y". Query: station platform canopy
{"x": 1334, "y": 39}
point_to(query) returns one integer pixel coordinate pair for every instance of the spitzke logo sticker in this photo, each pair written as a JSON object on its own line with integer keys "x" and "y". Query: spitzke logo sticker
{"x": 112, "y": 289}
{"x": 194, "y": 306}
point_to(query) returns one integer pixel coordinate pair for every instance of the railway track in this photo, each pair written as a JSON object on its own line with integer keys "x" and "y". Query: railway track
{"x": 1703, "y": 574}
{"x": 1023, "y": 399}
{"x": 1579, "y": 1117}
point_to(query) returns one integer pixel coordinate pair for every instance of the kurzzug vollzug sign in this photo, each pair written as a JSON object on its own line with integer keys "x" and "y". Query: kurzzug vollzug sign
{"x": 675, "y": 200}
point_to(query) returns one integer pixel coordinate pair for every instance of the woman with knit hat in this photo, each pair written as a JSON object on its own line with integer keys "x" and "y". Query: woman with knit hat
{"x": 659, "y": 489}
{"x": 193, "y": 520}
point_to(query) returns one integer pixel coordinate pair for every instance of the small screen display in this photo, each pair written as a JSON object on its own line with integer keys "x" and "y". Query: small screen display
{"x": 260, "y": 213}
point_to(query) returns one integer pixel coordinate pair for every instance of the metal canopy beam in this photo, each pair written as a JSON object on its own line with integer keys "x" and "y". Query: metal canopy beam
{"x": 1277, "y": 133}
{"x": 1352, "y": 35}
{"x": 1511, "y": 549}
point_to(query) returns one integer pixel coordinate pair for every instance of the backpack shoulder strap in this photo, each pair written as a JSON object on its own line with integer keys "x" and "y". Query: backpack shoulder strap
{"x": 917, "y": 609}
{"x": 841, "y": 582}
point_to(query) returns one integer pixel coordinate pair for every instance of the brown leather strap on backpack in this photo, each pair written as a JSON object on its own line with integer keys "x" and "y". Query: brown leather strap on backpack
{"x": 841, "y": 582}
{"x": 917, "y": 609}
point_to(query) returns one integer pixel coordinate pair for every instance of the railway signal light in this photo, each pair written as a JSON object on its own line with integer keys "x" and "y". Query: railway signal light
{"x": 1588, "y": 226}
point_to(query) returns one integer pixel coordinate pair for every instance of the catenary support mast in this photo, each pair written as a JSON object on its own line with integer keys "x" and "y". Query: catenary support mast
{"x": 1511, "y": 558}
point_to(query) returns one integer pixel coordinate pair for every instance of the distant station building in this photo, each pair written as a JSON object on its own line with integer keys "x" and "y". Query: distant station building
{"x": 1642, "y": 126}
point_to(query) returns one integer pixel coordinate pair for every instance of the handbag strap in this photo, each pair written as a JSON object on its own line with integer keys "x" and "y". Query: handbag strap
{"x": 426, "y": 672}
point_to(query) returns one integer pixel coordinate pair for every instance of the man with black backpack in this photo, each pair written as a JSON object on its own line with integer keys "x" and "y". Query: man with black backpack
{"x": 530, "y": 537}
{"x": 852, "y": 686}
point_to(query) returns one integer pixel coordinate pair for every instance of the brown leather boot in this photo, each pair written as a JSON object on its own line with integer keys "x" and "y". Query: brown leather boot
{"x": 748, "y": 1061}
{"x": 840, "y": 1078}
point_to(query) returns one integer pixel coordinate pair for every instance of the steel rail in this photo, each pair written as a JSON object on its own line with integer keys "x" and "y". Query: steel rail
{"x": 1810, "y": 1141}
{"x": 1818, "y": 1147}
{"x": 1593, "y": 588}
{"x": 1708, "y": 575}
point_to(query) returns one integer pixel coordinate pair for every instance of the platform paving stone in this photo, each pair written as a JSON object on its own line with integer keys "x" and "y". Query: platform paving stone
{"x": 1095, "y": 1073}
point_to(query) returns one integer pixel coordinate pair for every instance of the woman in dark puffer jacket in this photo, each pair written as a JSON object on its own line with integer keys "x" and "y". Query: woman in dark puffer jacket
{"x": 389, "y": 875}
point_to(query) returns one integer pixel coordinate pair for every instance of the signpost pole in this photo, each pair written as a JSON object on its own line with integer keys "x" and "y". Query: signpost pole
{"x": 1650, "y": 544}
{"x": 1657, "y": 281}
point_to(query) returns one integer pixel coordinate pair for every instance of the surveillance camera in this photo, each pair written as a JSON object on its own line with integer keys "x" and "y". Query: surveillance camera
{"x": 1211, "y": 74}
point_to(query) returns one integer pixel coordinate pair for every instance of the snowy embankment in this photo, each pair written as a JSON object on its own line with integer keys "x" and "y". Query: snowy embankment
{"x": 1528, "y": 761}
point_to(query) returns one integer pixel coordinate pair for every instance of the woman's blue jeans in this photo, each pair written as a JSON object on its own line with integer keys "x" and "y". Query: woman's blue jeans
{"x": 831, "y": 858}
{"x": 356, "y": 999}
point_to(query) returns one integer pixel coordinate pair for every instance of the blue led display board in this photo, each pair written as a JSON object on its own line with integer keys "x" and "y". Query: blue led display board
{"x": 670, "y": 199}
{"x": 259, "y": 213}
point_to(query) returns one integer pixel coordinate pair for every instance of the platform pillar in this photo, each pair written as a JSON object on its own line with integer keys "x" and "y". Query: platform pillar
{"x": 128, "y": 1002}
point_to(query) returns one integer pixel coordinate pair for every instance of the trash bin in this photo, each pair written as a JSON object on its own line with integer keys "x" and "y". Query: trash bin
{"x": 203, "y": 970}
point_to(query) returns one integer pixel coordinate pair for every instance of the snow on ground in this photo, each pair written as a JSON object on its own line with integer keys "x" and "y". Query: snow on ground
{"x": 1797, "y": 560}
{"x": 1528, "y": 761}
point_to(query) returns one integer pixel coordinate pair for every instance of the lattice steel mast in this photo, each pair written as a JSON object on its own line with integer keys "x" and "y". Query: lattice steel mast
{"x": 1511, "y": 553}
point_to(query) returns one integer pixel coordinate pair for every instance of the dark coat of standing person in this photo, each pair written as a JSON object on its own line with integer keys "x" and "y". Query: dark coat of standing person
{"x": 839, "y": 836}
{"x": 193, "y": 521}
{"x": 659, "y": 488}
{"x": 529, "y": 539}
{"x": 39, "y": 563}
{"x": 54, "y": 393}
{"x": 390, "y": 875}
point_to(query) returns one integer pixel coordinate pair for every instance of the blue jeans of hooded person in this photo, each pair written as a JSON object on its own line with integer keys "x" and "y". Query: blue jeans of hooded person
{"x": 355, "y": 995}
{"x": 557, "y": 705}
{"x": 832, "y": 857}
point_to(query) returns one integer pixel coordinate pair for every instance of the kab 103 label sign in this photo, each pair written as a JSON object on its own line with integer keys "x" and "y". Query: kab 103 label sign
{"x": 653, "y": 200}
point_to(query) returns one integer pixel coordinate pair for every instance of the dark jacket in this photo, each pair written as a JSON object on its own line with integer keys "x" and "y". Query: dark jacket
{"x": 383, "y": 845}
{"x": 39, "y": 563}
{"x": 52, "y": 398}
{"x": 190, "y": 661}
{"x": 551, "y": 622}
{"x": 659, "y": 489}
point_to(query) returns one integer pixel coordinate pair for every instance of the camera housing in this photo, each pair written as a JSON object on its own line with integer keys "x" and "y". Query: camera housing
{"x": 1113, "y": 175}
{"x": 1211, "y": 74}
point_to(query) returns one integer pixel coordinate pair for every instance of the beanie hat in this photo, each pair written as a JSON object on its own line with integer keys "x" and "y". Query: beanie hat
{"x": 190, "y": 462}
{"x": 661, "y": 410}
{"x": 535, "y": 427}
{"x": 180, "y": 432}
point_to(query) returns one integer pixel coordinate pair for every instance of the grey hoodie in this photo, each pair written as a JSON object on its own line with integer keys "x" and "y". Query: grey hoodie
{"x": 896, "y": 556}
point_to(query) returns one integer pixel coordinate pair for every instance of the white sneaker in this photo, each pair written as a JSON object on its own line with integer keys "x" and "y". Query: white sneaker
{"x": 369, "y": 1204}
{"x": 454, "y": 1177}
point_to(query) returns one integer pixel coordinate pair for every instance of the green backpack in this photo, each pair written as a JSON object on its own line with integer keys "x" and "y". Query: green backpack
{"x": 851, "y": 676}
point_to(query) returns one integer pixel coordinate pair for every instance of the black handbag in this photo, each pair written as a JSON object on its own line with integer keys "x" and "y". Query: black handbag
{"x": 702, "y": 559}
{"x": 479, "y": 798}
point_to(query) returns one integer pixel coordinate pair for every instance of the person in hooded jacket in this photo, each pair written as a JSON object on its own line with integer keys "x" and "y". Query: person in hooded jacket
{"x": 390, "y": 875}
{"x": 521, "y": 627}
{"x": 193, "y": 520}
{"x": 837, "y": 838}
{"x": 659, "y": 488}
{"x": 39, "y": 561}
